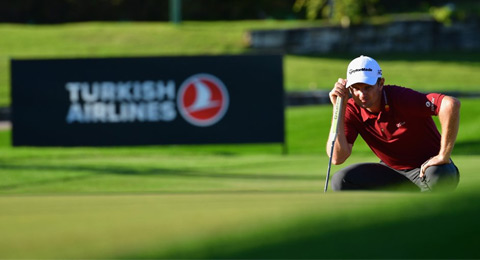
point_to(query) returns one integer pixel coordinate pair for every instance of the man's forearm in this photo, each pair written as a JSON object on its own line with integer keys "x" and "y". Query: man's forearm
{"x": 449, "y": 116}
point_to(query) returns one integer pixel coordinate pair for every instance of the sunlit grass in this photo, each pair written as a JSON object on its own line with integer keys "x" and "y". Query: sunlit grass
{"x": 428, "y": 71}
{"x": 226, "y": 201}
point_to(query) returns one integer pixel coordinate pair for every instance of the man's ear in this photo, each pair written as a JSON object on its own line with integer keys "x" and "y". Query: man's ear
{"x": 379, "y": 83}
{"x": 382, "y": 81}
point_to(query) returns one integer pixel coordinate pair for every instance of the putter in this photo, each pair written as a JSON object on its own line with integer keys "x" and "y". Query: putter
{"x": 336, "y": 113}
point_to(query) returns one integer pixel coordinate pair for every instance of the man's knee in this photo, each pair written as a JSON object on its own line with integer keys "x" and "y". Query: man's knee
{"x": 338, "y": 182}
{"x": 352, "y": 177}
{"x": 442, "y": 177}
{"x": 370, "y": 176}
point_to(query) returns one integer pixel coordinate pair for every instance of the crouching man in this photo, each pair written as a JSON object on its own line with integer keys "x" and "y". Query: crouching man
{"x": 396, "y": 123}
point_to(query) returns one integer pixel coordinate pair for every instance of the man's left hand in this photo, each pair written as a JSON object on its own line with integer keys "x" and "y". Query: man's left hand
{"x": 436, "y": 160}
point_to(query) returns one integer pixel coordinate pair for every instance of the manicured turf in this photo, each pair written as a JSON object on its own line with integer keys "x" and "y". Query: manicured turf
{"x": 227, "y": 201}
{"x": 243, "y": 225}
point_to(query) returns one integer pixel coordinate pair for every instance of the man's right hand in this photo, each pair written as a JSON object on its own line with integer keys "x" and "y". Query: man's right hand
{"x": 342, "y": 148}
{"x": 339, "y": 90}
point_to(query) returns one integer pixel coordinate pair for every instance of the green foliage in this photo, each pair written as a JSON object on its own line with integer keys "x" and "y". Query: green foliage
{"x": 347, "y": 12}
{"x": 442, "y": 14}
{"x": 343, "y": 12}
{"x": 455, "y": 11}
{"x": 312, "y": 8}
{"x": 351, "y": 12}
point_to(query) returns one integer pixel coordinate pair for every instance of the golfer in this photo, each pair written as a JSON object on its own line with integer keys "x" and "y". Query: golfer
{"x": 397, "y": 125}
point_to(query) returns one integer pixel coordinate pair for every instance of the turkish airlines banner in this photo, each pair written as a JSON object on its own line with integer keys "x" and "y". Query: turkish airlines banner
{"x": 147, "y": 101}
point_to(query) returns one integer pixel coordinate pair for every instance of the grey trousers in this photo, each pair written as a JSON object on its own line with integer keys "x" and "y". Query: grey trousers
{"x": 378, "y": 176}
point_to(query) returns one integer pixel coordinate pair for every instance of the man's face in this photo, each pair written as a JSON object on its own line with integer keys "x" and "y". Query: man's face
{"x": 368, "y": 96}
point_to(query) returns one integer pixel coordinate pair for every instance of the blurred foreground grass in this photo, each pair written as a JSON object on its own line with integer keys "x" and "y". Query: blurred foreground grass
{"x": 237, "y": 214}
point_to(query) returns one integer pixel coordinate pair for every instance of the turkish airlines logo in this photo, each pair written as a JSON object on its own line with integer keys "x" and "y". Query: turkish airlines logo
{"x": 202, "y": 100}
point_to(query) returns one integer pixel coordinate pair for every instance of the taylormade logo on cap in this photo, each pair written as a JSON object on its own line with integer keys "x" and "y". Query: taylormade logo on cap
{"x": 363, "y": 70}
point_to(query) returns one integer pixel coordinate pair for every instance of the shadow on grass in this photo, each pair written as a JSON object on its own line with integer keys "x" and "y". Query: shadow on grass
{"x": 93, "y": 172}
{"x": 442, "y": 229}
{"x": 467, "y": 148}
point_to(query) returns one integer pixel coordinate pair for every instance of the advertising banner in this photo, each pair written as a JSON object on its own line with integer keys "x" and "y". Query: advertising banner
{"x": 147, "y": 101}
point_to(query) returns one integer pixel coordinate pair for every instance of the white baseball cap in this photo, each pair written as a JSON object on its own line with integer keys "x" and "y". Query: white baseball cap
{"x": 363, "y": 70}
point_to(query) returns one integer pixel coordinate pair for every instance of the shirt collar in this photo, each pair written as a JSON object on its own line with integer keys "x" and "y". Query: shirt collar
{"x": 367, "y": 115}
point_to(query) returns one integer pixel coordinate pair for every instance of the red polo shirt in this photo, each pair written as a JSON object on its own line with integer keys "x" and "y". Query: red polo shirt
{"x": 405, "y": 136}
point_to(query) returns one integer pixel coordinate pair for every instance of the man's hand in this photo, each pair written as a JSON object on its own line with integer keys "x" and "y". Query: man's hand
{"x": 436, "y": 160}
{"x": 339, "y": 90}
{"x": 342, "y": 148}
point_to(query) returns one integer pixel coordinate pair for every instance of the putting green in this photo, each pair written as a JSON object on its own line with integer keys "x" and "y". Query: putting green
{"x": 227, "y": 201}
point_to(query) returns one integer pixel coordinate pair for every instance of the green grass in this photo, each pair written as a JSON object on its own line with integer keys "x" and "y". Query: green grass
{"x": 428, "y": 71}
{"x": 227, "y": 201}
{"x": 240, "y": 226}
{"x": 185, "y": 168}
{"x": 424, "y": 71}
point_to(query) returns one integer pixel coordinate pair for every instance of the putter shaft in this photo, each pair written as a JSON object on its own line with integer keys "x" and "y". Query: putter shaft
{"x": 329, "y": 165}
{"x": 336, "y": 118}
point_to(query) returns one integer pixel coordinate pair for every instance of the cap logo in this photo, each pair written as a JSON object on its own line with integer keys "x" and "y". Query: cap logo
{"x": 202, "y": 100}
{"x": 357, "y": 70}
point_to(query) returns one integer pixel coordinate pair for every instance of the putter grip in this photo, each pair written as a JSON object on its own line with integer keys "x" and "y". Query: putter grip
{"x": 336, "y": 114}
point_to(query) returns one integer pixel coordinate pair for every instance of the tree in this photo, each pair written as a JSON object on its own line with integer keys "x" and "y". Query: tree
{"x": 344, "y": 12}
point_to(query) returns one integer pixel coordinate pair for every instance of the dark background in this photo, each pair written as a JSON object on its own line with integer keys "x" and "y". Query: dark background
{"x": 40, "y": 101}
{"x": 61, "y": 11}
